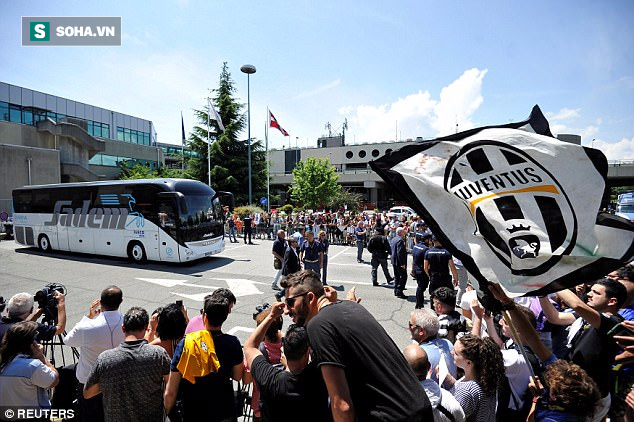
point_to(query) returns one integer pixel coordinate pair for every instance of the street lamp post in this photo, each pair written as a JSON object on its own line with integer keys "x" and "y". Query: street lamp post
{"x": 249, "y": 69}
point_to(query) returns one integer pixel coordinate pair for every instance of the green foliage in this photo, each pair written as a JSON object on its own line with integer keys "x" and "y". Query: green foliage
{"x": 229, "y": 155}
{"x": 243, "y": 210}
{"x": 288, "y": 208}
{"x": 314, "y": 182}
{"x": 346, "y": 197}
{"x": 139, "y": 171}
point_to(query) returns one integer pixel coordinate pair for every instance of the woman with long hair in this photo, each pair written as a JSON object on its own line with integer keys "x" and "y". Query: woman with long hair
{"x": 25, "y": 373}
{"x": 483, "y": 366}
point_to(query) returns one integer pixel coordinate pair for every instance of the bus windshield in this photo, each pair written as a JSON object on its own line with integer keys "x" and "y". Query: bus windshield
{"x": 202, "y": 218}
{"x": 625, "y": 208}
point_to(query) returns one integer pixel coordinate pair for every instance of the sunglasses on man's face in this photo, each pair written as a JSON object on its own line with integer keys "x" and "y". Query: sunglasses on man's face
{"x": 290, "y": 301}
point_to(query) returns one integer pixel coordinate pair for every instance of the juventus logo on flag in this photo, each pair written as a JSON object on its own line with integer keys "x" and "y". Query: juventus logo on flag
{"x": 516, "y": 205}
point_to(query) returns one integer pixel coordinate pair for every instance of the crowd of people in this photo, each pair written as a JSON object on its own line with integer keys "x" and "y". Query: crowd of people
{"x": 339, "y": 227}
{"x": 568, "y": 356}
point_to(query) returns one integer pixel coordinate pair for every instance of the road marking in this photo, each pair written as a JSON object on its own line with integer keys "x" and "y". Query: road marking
{"x": 235, "y": 247}
{"x": 165, "y": 282}
{"x": 238, "y": 286}
{"x": 198, "y": 297}
{"x": 235, "y": 329}
{"x": 330, "y": 259}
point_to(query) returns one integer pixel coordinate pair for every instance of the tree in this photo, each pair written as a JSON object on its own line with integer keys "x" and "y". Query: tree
{"x": 140, "y": 171}
{"x": 346, "y": 199}
{"x": 229, "y": 155}
{"x": 314, "y": 182}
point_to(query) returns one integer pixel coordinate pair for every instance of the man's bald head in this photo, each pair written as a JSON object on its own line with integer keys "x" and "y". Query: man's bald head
{"x": 417, "y": 360}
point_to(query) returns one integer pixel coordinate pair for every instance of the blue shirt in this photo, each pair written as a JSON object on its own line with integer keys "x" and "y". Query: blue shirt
{"x": 418, "y": 257}
{"x": 311, "y": 252}
{"x": 436, "y": 349}
{"x": 360, "y": 237}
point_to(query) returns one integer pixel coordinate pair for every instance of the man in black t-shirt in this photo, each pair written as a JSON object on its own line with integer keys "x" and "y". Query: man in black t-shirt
{"x": 209, "y": 397}
{"x": 300, "y": 390}
{"x": 367, "y": 377}
{"x": 590, "y": 347}
{"x": 247, "y": 222}
{"x": 438, "y": 263}
{"x": 380, "y": 249}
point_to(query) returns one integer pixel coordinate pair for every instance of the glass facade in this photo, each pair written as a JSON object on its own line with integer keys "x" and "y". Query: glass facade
{"x": 114, "y": 161}
{"x": 175, "y": 150}
{"x": 31, "y": 115}
{"x": 12, "y": 111}
{"x": 133, "y": 136}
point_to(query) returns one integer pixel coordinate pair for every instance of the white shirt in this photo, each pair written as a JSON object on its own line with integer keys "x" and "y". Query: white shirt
{"x": 443, "y": 397}
{"x": 518, "y": 374}
{"x": 94, "y": 336}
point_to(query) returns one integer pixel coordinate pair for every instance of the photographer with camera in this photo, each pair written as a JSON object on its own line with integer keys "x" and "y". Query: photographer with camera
{"x": 51, "y": 304}
{"x": 96, "y": 332}
{"x": 25, "y": 372}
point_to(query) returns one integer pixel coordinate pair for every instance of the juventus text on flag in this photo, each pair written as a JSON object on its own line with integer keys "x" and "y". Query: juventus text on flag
{"x": 516, "y": 205}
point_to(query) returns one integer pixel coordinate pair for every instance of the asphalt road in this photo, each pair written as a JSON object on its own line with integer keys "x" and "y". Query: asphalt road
{"x": 246, "y": 269}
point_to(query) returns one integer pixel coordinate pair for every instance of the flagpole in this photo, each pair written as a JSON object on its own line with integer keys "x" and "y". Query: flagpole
{"x": 183, "y": 143}
{"x": 268, "y": 176}
{"x": 208, "y": 144}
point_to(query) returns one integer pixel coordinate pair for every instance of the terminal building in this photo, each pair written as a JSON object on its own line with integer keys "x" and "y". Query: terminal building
{"x": 49, "y": 139}
{"x": 351, "y": 163}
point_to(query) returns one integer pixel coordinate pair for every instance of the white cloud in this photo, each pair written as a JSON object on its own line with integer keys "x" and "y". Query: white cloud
{"x": 589, "y": 132}
{"x": 458, "y": 101}
{"x": 564, "y": 114}
{"x": 622, "y": 150}
{"x": 627, "y": 82}
{"x": 558, "y": 124}
{"x": 317, "y": 90}
{"x": 419, "y": 114}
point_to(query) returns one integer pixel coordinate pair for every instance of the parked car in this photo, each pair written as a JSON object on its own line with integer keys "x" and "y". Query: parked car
{"x": 400, "y": 211}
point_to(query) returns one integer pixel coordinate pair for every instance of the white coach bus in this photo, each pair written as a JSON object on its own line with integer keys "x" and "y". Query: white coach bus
{"x": 174, "y": 220}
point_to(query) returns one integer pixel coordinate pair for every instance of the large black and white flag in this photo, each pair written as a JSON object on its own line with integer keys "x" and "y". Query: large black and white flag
{"x": 516, "y": 205}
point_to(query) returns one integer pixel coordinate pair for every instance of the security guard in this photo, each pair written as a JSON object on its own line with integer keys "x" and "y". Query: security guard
{"x": 247, "y": 227}
{"x": 438, "y": 263}
{"x": 311, "y": 253}
{"x": 418, "y": 267}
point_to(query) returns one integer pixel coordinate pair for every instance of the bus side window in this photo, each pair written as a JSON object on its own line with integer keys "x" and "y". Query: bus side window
{"x": 166, "y": 214}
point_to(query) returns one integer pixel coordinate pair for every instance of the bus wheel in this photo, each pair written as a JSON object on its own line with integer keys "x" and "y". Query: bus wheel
{"x": 136, "y": 252}
{"x": 43, "y": 243}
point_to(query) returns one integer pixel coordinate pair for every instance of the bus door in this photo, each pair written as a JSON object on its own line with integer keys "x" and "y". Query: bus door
{"x": 167, "y": 224}
{"x": 62, "y": 237}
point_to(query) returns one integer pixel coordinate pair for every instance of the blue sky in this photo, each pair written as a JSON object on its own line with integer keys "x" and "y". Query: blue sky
{"x": 392, "y": 69}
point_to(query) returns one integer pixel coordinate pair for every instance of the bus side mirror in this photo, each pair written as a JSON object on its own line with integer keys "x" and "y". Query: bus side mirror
{"x": 228, "y": 199}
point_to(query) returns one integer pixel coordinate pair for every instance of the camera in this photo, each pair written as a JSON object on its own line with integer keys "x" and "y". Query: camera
{"x": 3, "y": 304}
{"x": 46, "y": 300}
